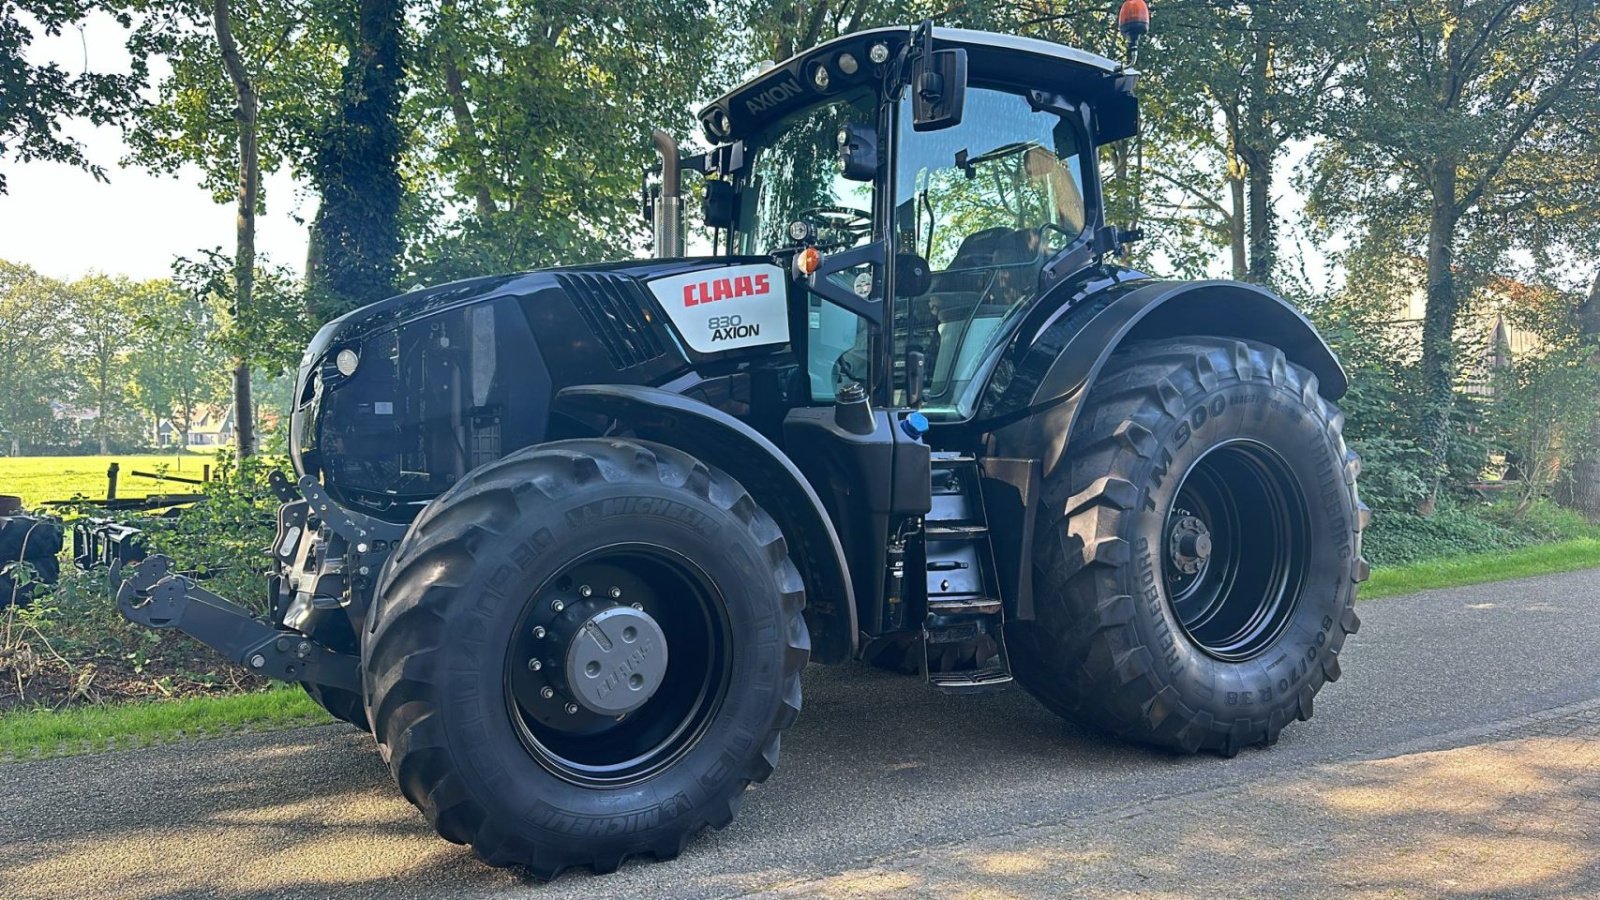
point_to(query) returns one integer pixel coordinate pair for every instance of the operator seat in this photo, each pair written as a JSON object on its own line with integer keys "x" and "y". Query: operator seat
{"x": 992, "y": 271}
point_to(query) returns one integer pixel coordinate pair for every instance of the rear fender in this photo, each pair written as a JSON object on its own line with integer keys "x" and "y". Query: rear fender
{"x": 771, "y": 478}
{"x": 1031, "y": 410}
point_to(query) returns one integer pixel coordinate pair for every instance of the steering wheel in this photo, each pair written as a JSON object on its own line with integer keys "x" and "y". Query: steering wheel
{"x": 838, "y": 226}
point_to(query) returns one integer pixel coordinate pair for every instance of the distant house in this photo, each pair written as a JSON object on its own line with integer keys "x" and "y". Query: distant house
{"x": 1489, "y": 339}
{"x": 80, "y": 421}
{"x": 212, "y": 426}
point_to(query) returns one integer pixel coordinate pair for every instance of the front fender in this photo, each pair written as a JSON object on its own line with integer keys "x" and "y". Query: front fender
{"x": 765, "y": 471}
{"x": 1032, "y": 401}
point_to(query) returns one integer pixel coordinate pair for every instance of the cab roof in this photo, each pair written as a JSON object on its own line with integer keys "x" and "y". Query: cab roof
{"x": 992, "y": 59}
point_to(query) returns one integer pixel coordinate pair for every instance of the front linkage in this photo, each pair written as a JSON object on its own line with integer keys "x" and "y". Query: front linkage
{"x": 157, "y": 597}
{"x": 326, "y": 559}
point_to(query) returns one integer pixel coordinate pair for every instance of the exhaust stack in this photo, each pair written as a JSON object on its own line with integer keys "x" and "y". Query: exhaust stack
{"x": 669, "y": 208}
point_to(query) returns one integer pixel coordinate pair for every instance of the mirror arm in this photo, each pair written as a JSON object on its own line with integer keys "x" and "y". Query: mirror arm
{"x": 868, "y": 308}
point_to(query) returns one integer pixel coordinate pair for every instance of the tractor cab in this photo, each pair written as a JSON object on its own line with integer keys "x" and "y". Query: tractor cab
{"x": 927, "y": 184}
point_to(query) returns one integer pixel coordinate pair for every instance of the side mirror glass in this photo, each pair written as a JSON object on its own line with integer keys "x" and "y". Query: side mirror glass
{"x": 719, "y": 204}
{"x": 938, "y": 90}
{"x": 858, "y": 151}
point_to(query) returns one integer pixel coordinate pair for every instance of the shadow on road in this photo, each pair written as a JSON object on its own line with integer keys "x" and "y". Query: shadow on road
{"x": 885, "y": 788}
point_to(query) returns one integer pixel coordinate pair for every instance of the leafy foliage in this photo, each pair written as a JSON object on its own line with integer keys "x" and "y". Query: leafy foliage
{"x": 589, "y": 79}
{"x": 36, "y": 99}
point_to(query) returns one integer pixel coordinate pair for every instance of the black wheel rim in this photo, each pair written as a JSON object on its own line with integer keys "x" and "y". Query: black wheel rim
{"x": 589, "y": 748}
{"x": 1234, "y": 550}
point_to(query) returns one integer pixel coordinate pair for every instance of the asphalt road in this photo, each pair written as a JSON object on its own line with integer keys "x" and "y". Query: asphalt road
{"x": 1460, "y": 754}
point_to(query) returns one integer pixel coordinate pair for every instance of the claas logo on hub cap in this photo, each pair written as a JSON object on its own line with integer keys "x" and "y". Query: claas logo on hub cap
{"x": 726, "y": 288}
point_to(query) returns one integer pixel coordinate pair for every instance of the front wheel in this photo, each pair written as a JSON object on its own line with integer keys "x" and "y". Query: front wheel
{"x": 1196, "y": 580}
{"x": 583, "y": 651}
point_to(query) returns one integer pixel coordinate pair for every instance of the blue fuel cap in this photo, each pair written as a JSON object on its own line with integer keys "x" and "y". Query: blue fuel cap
{"x": 915, "y": 425}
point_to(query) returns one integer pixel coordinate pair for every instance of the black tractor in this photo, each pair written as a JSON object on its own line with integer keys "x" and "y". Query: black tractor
{"x": 565, "y": 540}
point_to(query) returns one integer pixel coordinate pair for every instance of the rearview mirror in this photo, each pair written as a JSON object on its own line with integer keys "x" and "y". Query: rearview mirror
{"x": 938, "y": 90}
{"x": 719, "y": 206}
{"x": 858, "y": 151}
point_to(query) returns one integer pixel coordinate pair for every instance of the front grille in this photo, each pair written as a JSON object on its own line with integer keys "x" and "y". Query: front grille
{"x": 620, "y": 313}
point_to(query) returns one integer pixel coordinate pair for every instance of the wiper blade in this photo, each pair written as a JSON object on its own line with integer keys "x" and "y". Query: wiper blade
{"x": 969, "y": 164}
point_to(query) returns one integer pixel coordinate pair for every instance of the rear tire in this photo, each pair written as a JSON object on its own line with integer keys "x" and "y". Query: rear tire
{"x": 533, "y": 779}
{"x": 1196, "y": 582}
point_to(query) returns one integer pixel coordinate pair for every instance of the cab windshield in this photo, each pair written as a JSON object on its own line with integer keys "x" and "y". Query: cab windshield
{"x": 795, "y": 176}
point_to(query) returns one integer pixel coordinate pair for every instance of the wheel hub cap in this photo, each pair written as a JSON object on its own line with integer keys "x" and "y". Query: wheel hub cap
{"x": 615, "y": 661}
{"x": 1189, "y": 545}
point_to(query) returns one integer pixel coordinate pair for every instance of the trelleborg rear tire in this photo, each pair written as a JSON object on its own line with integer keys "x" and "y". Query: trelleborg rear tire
{"x": 1196, "y": 569}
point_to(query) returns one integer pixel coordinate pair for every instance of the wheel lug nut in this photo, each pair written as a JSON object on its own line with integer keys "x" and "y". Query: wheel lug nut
{"x": 639, "y": 606}
{"x": 615, "y": 592}
{"x": 557, "y": 605}
{"x": 584, "y": 591}
{"x": 547, "y": 692}
{"x": 538, "y": 631}
{"x": 535, "y": 665}
{"x": 572, "y": 709}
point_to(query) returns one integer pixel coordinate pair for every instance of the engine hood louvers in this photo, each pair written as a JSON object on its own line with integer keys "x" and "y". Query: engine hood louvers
{"x": 619, "y": 311}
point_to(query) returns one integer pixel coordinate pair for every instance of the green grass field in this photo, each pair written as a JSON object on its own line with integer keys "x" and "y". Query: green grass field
{"x": 39, "y": 478}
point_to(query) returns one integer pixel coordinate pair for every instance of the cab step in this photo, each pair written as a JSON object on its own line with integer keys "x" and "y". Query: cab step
{"x": 964, "y": 629}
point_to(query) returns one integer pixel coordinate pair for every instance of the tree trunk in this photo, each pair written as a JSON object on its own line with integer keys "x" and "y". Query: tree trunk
{"x": 455, "y": 89}
{"x": 1236, "y": 229}
{"x": 1237, "y": 175}
{"x": 102, "y": 421}
{"x": 1259, "y": 149}
{"x": 1439, "y": 328}
{"x": 1579, "y": 484}
{"x": 244, "y": 257}
{"x": 357, "y": 169}
{"x": 1263, "y": 240}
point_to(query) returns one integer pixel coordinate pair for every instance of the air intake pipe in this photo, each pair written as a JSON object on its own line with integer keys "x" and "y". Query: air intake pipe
{"x": 669, "y": 208}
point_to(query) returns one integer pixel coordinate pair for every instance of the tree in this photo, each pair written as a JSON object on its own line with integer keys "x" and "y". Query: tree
{"x": 31, "y": 367}
{"x": 1253, "y": 77}
{"x": 589, "y": 79}
{"x": 1434, "y": 112}
{"x": 99, "y": 313}
{"x": 357, "y": 239}
{"x": 36, "y": 99}
{"x": 244, "y": 96}
{"x": 176, "y": 358}
{"x": 244, "y": 260}
{"x": 1579, "y": 484}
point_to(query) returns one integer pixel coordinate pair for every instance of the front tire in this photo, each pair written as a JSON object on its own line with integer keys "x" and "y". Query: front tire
{"x": 1196, "y": 580}
{"x": 488, "y": 684}
{"x": 346, "y": 706}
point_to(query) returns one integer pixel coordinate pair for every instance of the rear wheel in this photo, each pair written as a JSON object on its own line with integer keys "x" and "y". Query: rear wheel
{"x": 1197, "y": 583}
{"x": 584, "y": 651}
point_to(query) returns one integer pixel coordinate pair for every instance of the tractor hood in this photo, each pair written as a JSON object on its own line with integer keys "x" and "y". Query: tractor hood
{"x": 397, "y": 400}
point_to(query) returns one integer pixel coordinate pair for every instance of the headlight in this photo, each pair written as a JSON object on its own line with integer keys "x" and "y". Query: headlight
{"x": 346, "y": 362}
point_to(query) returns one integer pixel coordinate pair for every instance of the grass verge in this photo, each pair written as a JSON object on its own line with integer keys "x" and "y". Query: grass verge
{"x": 1477, "y": 568}
{"x": 32, "y": 733}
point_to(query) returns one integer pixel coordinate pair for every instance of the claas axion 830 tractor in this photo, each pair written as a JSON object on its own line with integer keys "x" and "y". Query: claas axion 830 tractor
{"x": 564, "y": 540}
